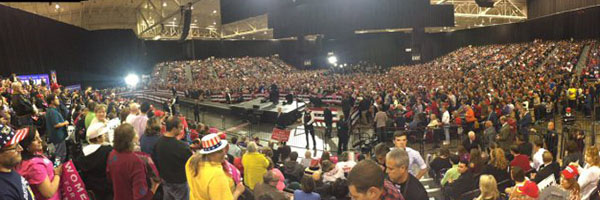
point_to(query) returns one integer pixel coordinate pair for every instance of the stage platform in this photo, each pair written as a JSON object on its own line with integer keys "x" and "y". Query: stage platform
{"x": 264, "y": 111}
{"x": 267, "y": 111}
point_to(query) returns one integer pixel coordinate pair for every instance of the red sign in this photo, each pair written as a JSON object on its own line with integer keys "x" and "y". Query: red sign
{"x": 71, "y": 185}
{"x": 281, "y": 135}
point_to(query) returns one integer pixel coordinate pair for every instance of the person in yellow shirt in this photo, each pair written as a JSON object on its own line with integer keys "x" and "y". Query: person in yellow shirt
{"x": 205, "y": 174}
{"x": 572, "y": 95}
{"x": 255, "y": 165}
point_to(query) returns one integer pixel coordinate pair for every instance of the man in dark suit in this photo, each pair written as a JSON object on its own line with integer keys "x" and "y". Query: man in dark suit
{"x": 524, "y": 123}
{"x": 328, "y": 121}
{"x": 551, "y": 139}
{"x": 505, "y": 138}
{"x": 343, "y": 134}
{"x": 493, "y": 118}
{"x": 472, "y": 142}
{"x": 196, "y": 112}
{"x": 346, "y": 106}
{"x": 549, "y": 168}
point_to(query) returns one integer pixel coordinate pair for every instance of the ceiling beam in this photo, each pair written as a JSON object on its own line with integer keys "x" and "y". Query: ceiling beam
{"x": 490, "y": 16}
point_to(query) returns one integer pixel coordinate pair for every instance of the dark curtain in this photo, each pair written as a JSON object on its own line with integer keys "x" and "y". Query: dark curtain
{"x": 539, "y": 8}
{"x": 34, "y": 44}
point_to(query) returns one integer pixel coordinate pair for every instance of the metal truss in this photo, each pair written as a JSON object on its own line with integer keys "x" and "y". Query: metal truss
{"x": 156, "y": 21}
{"x": 503, "y": 9}
{"x": 254, "y": 26}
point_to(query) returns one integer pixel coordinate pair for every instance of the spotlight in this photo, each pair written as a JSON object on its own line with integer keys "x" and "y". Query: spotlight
{"x": 332, "y": 59}
{"x": 132, "y": 80}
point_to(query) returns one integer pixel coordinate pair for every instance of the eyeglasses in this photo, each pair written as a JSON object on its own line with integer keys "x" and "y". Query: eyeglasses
{"x": 17, "y": 148}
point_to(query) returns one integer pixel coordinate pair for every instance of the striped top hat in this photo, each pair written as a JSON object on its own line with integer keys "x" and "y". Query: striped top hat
{"x": 8, "y": 136}
{"x": 212, "y": 143}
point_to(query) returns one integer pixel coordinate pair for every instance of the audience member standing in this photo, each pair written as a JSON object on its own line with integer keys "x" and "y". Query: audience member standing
{"x": 308, "y": 119}
{"x": 255, "y": 165}
{"x": 37, "y": 169}
{"x": 205, "y": 175}
{"x": 92, "y": 165}
{"x": 21, "y": 105}
{"x": 170, "y": 156}
{"x": 140, "y": 120}
{"x": 328, "y": 118}
{"x": 397, "y": 171}
{"x": 56, "y": 126}
{"x": 343, "y": 134}
{"x": 151, "y": 135}
{"x": 125, "y": 169}
{"x": 400, "y": 140}
{"x": 380, "y": 122}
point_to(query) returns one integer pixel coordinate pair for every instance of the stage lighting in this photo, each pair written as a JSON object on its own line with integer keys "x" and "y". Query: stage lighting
{"x": 332, "y": 59}
{"x": 132, "y": 80}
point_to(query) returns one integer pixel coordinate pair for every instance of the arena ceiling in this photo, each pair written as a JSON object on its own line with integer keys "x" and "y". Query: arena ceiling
{"x": 161, "y": 19}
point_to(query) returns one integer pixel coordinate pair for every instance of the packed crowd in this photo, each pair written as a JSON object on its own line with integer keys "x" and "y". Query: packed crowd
{"x": 125, "y": 149}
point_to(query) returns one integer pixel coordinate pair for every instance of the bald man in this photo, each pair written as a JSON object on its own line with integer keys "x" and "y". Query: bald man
{"x": 551, "y": 139}
{"x": 472, "y": 142}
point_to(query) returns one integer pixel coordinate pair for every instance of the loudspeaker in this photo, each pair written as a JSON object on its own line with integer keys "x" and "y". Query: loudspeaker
{"x": 485, "y": 3}
{"x": 187, "y": 20}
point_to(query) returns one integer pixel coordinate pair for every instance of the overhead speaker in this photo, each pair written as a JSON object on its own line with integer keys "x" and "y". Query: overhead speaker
{"x": 485, "y": 3}
{"x": 187, "y": 20}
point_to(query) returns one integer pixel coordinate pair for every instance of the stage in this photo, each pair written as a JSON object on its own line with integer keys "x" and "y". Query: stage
{"x": 256, "y": 110}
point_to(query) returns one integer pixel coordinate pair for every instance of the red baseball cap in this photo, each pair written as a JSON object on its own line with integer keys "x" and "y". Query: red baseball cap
{"x": 570, "y": 172}
{"x": 529, "y": 188}
{"x": 55, "y": 86}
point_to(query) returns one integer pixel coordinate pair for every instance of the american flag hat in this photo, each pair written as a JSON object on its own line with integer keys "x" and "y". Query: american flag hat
{"x": 212, "y": 143}
{"x": 8, "y": 136}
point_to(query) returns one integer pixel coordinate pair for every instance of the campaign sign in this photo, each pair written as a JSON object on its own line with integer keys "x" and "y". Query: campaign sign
{"x": 37, "y": 78}
{"x": 71, "y": 185}
{"x": 281, "y": 135}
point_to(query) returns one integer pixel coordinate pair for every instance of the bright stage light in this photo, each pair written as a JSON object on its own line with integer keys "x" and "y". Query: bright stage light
{"x": 132, "y": 80}
{"x": 332, "y": 59}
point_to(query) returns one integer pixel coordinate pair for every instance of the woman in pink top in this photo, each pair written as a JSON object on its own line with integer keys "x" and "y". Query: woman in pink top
{"x": 280, "y": 185}
{"x": 37, "y": 169}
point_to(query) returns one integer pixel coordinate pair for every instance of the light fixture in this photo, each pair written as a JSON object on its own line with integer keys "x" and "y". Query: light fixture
{"x": 132, "y": 80}
{"x": 243, "y": 37}
{"x": 214, "y": 23}
{"x": 157, "y": 37}
{"x": 214, "y": 11}
{"x": 175, "y": 19}
{"x": 195, "y": 20}
{"x": 192, "y": 7}
{"x": 164, "y": 4}
{"x": 332, "y": 59}
{"x": 57, "y": 6}
{"x": 265, "y": 32}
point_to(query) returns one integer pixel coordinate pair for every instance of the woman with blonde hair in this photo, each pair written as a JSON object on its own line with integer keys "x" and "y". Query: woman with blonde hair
{"x": 590, "y": 173}
{"x": 498, "y": 167}
{"x": 255, "y": 165}
{"x": 487, "y": 186}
